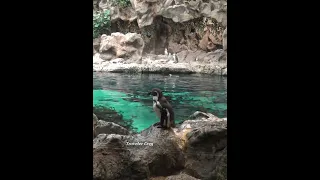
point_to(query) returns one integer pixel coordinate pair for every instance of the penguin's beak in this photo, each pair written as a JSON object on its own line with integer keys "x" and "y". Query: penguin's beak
{"x": 149, "y": 93}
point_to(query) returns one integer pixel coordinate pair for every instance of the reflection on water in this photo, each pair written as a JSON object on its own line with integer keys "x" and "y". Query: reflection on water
{"x": 127, "y": 93}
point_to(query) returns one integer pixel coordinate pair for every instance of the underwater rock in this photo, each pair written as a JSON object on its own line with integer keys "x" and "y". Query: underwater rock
{"x": 195, "y": 149}
{"x": 103, "y": 127}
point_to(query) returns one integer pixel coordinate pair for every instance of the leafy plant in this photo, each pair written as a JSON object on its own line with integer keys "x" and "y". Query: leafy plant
{"x": 101, "y": 23}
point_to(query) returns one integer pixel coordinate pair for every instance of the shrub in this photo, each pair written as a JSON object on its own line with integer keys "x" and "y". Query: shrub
{"x": 101, "y": 23}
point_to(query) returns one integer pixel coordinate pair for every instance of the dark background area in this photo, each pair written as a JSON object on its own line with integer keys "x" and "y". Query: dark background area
{"x": 48, "y": 47}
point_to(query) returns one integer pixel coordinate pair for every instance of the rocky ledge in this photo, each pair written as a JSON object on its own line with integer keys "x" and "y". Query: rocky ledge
{"x": 195, "y": 149}
{"x": 124, "y": 53}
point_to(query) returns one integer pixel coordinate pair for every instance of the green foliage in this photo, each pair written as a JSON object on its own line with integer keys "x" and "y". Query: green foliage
{"x": 110, "y": 115}
{"x": 101, "y": 23}
{"x": 122, "y": 3}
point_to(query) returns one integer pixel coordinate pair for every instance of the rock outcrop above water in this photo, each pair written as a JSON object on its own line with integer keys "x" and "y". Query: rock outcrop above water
{"x": 123, "y": 53}
{"x": 196, "y": 149}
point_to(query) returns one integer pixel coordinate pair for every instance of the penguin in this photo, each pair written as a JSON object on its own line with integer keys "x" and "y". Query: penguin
{"x": 163, "y": 109}
{"x": 166, "y": 51}
{"x": 175, "y": 58}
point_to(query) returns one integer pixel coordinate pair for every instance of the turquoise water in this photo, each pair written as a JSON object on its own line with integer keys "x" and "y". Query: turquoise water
{"x": 127, "y": 94}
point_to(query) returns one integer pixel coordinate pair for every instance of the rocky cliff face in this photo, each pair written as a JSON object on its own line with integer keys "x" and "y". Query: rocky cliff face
{"x": 196, "y": 149}
{"x": 193, "y": 27}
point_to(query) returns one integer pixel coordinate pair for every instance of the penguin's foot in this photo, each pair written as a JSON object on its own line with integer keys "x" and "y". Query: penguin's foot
{"x": 156, "y": 124}
{"x": 160, "y": 126}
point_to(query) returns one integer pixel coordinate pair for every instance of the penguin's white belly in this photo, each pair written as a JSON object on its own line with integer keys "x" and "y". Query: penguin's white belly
{"x": 156, "y": 110}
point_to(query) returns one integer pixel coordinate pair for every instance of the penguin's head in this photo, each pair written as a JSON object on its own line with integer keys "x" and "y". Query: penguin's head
{"x": 156, "y": 93}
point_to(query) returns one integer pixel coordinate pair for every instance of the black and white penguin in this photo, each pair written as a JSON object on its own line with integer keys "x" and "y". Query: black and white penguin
{"x": 163, "y": 109}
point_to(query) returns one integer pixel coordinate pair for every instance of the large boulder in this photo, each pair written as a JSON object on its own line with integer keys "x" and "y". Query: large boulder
{"x": 206, "y": 145}
{"x": 196, "y": 149}
{"x": 118, "y": 45}
{"x": 136, "y": 157}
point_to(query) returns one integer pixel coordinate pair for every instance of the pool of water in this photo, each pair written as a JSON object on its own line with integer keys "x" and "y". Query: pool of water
{"x": 127, "y": 94}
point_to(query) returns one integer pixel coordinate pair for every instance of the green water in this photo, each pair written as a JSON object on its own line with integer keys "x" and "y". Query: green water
{"x": 127, "y": 94}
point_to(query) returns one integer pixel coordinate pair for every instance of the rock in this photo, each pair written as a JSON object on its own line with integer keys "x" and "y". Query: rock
{"x": 210, "y": 63}
{"x": 112, "y": 159}
{"x": 196, "y": 149}
{"x": 97, "y": 59}
{"x": 96, "y": 44}
{"x": 218, "y": 55}
{"x": 103, "y": 127}
{"x": 182, "y": 55}
{"x": 206, "y": 141}
{"x": 147, "y": 10}
{"x": 181, "y": 176}
{"x": 177, "y": 16}
{"x": 154, "y": 155}
{"x": 118, "y": 60}
{"x": 225, "y": 39}
{"x": 178, "y": 13}
{"x": 176, "y": 48}
{"x": 123, "y": 46}
{"x": 192, "y": 56}
{"x": 199, "y": 115}
{"x": 220, "y": 172}
{"x": 95, "y": 121}
{"x": 224, "y": 72}
{"x": 118, "y": 13}
{"x": 220, "y": 15}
